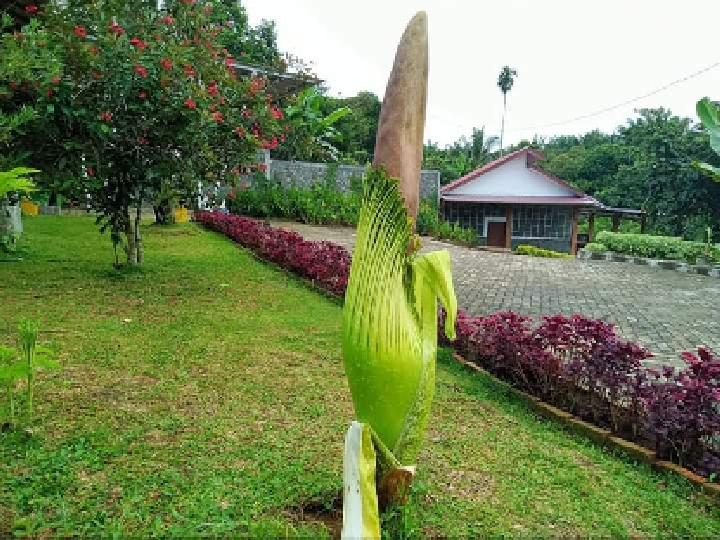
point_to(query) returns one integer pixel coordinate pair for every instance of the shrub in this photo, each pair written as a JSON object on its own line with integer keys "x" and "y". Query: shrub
{"x": 430, "y": 224}
{"x": 684, "y": 412}
{"x": 319, "y": 204}
{"x": 596, "y": 247}
{"x": 582, "y": 366}
{"x": 533, "y": 251}
{"x": 656, "y": 247}
{"x": 325, "y": 264}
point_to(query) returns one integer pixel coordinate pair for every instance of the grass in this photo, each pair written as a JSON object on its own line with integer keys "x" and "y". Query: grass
{"x": 205, "y": 395}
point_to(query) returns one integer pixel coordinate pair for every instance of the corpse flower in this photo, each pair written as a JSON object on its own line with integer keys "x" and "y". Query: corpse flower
{"x": 390, "y": 313}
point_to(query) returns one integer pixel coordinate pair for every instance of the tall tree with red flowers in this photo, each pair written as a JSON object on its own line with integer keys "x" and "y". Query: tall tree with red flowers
{"x": 143, "y": 102}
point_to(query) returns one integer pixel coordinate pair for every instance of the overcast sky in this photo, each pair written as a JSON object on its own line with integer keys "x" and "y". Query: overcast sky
{"x": 572, "y": 57}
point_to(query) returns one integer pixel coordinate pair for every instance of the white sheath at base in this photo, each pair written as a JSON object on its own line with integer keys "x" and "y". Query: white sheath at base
{"x": 360, "y": 507}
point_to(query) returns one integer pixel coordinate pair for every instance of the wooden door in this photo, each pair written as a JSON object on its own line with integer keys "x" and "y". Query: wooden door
{"x": 496, "y": 234}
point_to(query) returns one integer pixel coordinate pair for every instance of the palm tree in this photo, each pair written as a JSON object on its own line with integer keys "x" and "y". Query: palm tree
{"x": 505, "y": 83}
{"x": 481, "y": 146}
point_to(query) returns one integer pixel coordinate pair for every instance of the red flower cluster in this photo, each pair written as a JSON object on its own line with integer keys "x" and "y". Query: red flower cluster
{"x": 239, "y": 131}
{"x": 31, "y": 9}
{"x": 140, "y": 70}
{"x": 142, "y": 94}
{"x": 80, "y": 31}
{"x": 272, "y": 144}
{"x": 218, "y": 117}
{"x": 256, "y": 84}
{"x": 106, "y": 116}
{"x": 212, "y": 88}
{"x": 116, "y": 29}
{"x": 190, "y": 104}
{"x": 166, "y": 64}
{"x": 138, "y": 43}
{"x": 188, "y": 70}
{"x": 276, "y": 113}
{"x": 167, "y": 19}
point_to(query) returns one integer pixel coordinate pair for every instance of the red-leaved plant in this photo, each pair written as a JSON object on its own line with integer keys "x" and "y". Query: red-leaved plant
{"x": 578, "y": 364}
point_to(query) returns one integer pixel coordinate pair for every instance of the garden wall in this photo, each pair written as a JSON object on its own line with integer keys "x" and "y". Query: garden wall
{"x": 305, "y": 174}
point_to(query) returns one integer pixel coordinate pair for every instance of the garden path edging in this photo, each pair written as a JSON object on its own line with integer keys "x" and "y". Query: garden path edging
{"x": 678, "y": 266}
{"x": 598, "y": 434}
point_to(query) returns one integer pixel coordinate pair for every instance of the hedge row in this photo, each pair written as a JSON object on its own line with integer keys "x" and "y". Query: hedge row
{"x": 655, "y": 247}
{"x": 581, "y": 366}
{"x": 326, "y": 264}
{"x": 575, "y": 363}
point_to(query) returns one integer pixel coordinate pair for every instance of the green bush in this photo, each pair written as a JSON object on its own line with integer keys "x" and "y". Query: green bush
{"x": 430, "y": 224}
{"x": 533, "y": 251}
{"x": 324, "y": 204}
{"x": 596, "y": 247}
{"x": 320, "y": 204}
{"x": 657, "y": 247}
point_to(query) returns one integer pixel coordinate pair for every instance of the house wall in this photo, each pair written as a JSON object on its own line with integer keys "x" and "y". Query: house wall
{"x": 544, "y": 226}
{"x": 513, "y": 178}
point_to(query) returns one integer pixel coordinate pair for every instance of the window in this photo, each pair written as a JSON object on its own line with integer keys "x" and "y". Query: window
{"x": 548, "y": 222}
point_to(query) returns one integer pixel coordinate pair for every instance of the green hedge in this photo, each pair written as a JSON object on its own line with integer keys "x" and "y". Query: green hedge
{"x": 533, "y": 251}
{"x": 655, "y": 247}
{"x": 324, "y": 204}
{"x": 596, "y": 247}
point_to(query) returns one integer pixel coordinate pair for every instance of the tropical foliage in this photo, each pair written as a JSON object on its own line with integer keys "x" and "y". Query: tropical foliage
{"x": 139, "y": 101}
{"x": 709, "y": 114}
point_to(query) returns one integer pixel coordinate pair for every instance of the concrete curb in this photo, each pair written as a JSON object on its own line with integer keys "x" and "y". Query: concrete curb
{"x": 599, "y": 435}
{"x": 678, "y": 266}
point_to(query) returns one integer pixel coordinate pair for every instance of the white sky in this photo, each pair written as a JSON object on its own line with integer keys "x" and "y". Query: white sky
{"x": 572, "y": 57}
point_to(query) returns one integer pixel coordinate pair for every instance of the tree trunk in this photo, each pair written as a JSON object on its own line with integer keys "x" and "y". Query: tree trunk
{"x": 138, "y": 234}
{"x": 502, "y": 125}
{"x": 9, "y": 230}
{"x": 132, "y": 258}
{"x": 164, "y": 213}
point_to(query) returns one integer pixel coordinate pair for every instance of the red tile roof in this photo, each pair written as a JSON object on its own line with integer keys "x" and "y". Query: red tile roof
{"x": 523, "y": 199}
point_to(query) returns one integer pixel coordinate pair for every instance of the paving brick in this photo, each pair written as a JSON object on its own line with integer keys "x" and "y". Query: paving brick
{"x": 664, "y": 310}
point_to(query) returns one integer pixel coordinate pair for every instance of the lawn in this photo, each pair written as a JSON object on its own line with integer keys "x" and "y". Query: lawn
{"x": 205, "y": 394}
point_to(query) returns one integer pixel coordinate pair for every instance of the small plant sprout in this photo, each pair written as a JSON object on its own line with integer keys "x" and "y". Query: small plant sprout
{"x": 11, "y": 369}
{"x": 33, "y": 357}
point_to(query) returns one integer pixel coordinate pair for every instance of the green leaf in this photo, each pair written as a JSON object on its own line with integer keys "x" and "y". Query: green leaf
{"x": 710, "y": 117}
{"x": 12, "y": 372}
{"x": 390, "y": 320}
{"x": 336, "y": 115}
{"x": 709, "y": 170}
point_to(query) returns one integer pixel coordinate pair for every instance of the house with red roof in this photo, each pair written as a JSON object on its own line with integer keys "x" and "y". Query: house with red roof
{"x": 512, "y": 201}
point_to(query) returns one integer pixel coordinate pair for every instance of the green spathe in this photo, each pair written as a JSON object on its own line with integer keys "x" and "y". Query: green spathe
{"x": 390, "y": 320}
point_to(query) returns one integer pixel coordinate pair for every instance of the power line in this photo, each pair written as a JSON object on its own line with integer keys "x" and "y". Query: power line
{"x": 623, "y": 104}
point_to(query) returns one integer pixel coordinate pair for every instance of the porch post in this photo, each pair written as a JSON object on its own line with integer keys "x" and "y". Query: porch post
{"x": 643, "y": 223}
{"x": 573, "y": 238}
{"x": 615, "y": 222}
{"x": 591, "y": 226}
{"x": 508, "y": 227}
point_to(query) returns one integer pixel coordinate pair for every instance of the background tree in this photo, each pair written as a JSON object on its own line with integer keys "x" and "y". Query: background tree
{"x": 143, "y": 100}
{"x": 505, "y": 82}
{"x": 462, "y": 156}
{"x": 311, "y": 133}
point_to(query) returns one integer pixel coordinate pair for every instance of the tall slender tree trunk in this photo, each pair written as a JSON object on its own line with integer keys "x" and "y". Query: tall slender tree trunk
{"x": 502, "y": 126}
{"x": 132, "y": 258}
{"x": 138, "y": 232}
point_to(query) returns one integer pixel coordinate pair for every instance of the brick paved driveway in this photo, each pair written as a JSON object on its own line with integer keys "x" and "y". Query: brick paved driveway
{"x": 664, "y": 310}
